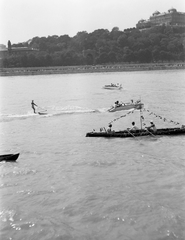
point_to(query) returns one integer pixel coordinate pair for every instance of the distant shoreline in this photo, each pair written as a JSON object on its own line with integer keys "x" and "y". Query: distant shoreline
{"x": 90, "y": 69}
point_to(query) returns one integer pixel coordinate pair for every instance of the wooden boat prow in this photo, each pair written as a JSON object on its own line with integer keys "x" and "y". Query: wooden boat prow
{"x": 9, "y": 157}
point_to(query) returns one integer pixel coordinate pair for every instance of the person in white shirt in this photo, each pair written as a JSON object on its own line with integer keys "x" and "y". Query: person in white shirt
{"x": 109, "y": 128}
{"x": 152, "y": 126}
{"x": 134, "y": 127}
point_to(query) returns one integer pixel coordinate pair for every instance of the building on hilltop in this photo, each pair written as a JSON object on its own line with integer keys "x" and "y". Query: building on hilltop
{"x": 16, "y": 51}
{"x": 21, "y": 50}
{"x": 172, "y": 17}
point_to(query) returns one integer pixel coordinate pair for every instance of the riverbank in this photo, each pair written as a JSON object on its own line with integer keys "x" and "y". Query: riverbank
{"x": 89, "y": 69}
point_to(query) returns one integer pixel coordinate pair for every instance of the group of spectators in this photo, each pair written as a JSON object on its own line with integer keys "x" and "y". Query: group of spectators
{"x": 151, "y": 128}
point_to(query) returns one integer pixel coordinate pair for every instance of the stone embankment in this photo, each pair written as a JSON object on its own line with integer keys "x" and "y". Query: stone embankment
{"x": 89, "y": 69}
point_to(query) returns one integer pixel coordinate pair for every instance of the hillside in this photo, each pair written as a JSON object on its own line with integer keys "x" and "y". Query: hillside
{"x": 157, "y": 44}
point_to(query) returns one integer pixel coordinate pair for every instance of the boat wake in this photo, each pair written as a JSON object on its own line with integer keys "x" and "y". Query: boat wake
{"x": 52, "y": 112}
{"x": 12, "y": 117}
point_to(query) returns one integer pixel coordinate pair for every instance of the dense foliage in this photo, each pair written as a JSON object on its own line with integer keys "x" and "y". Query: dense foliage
{"x": 160, "y": 43}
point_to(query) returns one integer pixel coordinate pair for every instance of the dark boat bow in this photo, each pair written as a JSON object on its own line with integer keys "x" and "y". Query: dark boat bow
{"x": 9, "y": 157}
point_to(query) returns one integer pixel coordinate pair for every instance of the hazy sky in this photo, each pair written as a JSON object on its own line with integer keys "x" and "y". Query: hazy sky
{"x": 21, "y": 20}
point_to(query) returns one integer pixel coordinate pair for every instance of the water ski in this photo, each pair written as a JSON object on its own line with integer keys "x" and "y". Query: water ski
{"x": 42, "y": 113}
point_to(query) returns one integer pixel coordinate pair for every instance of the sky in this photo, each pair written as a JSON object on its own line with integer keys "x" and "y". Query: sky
{"x": 21, "y": 20}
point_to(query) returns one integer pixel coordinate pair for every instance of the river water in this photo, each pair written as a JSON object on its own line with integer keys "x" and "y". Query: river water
{"x": 66, "y": 186}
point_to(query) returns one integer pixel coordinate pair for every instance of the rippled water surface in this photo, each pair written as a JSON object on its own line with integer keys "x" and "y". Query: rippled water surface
{"x": 65, "y": 186}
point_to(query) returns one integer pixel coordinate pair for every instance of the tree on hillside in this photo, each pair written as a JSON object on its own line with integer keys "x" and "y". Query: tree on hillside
{"x": 159, "y": 43}
{"x": 122, "y": 40}
{"x": 9, "y": 45}
{"x": 115, "y": 33}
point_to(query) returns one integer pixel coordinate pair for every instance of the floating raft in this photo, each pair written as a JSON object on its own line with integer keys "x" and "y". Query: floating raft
{"x": 137, "y": 133}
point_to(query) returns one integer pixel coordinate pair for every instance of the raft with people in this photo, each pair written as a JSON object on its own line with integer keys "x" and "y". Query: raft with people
{"x": 134, "y": 131}
{"x": 137, "y": 133}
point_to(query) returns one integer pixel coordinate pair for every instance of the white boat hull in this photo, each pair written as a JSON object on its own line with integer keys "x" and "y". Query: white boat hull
{"x": 113, "y": 87}
{"x": 126, "y": 106}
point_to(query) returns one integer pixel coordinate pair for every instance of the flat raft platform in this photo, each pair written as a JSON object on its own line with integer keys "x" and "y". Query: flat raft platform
{"x": 137, "y": 133}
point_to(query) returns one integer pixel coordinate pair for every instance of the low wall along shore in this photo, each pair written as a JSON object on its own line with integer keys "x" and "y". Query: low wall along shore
{"x": 89, "y": 69}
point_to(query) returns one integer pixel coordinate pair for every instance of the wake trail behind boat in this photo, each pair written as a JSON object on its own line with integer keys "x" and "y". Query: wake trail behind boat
{"x": 54, "y": 111}
{"x": 11, "y": 117}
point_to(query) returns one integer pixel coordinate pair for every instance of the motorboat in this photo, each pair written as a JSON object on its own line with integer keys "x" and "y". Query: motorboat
{"x": 113, "y": 86}
{"x": 126, "y": 106}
